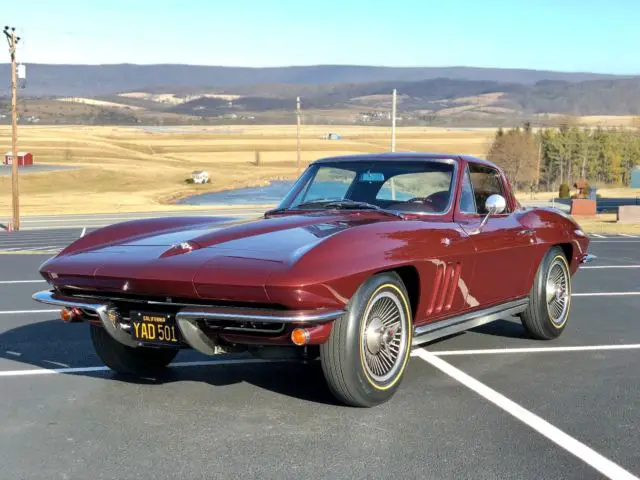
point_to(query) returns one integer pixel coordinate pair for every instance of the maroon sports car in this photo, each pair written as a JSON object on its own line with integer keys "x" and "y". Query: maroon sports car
{"x": 365, "y": 257}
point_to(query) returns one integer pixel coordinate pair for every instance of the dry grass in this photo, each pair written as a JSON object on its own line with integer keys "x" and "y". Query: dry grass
{"x": 124, "y": 169}
{"x": 606, "y": 223}
{"x": 131, "y": 169}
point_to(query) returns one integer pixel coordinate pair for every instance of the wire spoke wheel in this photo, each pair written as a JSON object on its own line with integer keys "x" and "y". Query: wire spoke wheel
{"x": 557, "y": 292}
{"x": 384, "y": 342}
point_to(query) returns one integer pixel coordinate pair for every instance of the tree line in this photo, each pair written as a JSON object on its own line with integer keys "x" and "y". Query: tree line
{"x": 549, "y": 157}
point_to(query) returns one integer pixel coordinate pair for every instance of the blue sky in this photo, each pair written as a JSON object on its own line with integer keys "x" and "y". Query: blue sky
{"x": 570, "y": 35}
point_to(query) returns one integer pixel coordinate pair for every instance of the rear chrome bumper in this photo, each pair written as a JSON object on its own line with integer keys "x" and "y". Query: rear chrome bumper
{"x": 587, "y": 257}
{"x": 187, "y": 318}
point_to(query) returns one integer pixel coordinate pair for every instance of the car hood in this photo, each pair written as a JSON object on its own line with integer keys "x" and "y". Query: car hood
{"x": 210, "y": 260}
{"x": 276, "y": 239}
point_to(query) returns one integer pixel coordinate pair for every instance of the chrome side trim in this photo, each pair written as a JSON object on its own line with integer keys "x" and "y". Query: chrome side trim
{"x": 120, "y": 335}
{"x": 258, "y": 315}
{"x": 443, "y": 328}
{"x": 588, "y": 258}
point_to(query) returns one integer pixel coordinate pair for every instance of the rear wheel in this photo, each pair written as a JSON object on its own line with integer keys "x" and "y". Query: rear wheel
{"x": 368, "y": 349}
{"x": 138, "y": 361}
{"x": 550, "y": 299}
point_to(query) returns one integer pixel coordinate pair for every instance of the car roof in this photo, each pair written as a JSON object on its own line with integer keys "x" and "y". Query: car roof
{"x": 405, "y": 156}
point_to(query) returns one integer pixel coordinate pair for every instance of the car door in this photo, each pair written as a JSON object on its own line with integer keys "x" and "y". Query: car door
{"x": 503, "y": 245}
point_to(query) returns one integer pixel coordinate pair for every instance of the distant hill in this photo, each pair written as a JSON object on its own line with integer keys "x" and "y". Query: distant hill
{"x": 92, "y": 80}
{"x": 183, "y": 93}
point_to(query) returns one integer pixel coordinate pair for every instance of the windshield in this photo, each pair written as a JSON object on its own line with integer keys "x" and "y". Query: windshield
{"x": 406, "y": 186}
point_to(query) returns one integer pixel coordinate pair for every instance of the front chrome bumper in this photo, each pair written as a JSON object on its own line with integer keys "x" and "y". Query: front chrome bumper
{"x": 187, "y": 318}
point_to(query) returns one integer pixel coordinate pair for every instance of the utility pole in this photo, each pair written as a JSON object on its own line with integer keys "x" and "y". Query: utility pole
{"x": 298, "y": 134}
{"x": 393, "y": 121}
{"x": 393, "y": 139}
{"x": 538, "y": 168}
{"x": 12, "y": 40}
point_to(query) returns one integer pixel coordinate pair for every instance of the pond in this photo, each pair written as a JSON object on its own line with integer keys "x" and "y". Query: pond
{"x": 269, "y": 194}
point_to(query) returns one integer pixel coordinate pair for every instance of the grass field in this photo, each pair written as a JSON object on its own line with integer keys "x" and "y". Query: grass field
{"x": 134, "y": 169}
{"x": 129, "y": 169}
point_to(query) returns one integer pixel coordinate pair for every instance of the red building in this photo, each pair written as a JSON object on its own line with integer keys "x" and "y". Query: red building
{"x": 25, "y": 159}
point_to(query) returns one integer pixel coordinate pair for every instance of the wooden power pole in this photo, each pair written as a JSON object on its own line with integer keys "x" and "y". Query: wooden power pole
{"x": 298, "y": 134}
{"x": 10, "y": 33}
{"x": 393, "y": 121}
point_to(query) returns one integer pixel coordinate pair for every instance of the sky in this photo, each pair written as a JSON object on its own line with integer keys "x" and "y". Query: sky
{"x": 567, "y": 35}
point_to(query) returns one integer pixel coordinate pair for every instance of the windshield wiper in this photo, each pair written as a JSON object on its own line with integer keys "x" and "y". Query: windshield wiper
{"x": 360, "y": 205}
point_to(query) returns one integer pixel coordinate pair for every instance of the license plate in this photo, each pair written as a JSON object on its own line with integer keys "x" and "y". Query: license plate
{"x": 156, "y": 328}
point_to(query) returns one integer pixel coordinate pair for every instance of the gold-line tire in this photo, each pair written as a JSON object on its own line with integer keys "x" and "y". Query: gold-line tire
{"x": 538, "y": 319}
{"x": 343, "y": 356}
{"x": 139, "y": 362}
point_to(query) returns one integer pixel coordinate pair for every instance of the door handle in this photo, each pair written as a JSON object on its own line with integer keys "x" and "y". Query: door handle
{"x": 526, "y": 232}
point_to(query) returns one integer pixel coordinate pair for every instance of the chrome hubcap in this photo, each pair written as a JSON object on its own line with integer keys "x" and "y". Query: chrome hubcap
{"x": 384, "y": 339}
{"x": 557, "y": 292}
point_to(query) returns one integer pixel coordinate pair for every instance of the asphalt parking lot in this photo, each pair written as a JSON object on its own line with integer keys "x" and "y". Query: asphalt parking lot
{"x": 489, "y": 403}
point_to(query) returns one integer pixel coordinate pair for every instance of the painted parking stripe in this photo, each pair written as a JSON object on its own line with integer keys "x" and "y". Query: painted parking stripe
{"x": 627, "y": 235}
{"x": 605, "y": 294}
{"x": 570, "y": 444}
{"x": 10, "y": 282}
{"x": 608, "y": 266}
{"x": 597, "y": 235}
{"x": 615, "y": 241}
{"x": 498, "y": 351}
{"x": 102, "y": 368}
{"x": 18, "y": 312}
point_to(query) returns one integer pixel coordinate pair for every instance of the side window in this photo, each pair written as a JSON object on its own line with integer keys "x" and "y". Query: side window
{"x": 467, "y": 201}
{"x": 486, "y": 182}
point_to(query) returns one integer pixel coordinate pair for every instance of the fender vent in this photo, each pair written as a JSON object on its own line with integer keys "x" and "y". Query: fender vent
{"x": 444, "y": 287}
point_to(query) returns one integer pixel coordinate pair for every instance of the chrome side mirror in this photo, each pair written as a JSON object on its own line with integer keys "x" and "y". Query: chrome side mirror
{"x": 494, "y": 205}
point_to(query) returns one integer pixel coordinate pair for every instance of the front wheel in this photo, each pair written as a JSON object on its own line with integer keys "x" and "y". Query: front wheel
{"x": 550, "y": 299}
{"x": 138, "y": 361}
{"x": 368, "y": 349}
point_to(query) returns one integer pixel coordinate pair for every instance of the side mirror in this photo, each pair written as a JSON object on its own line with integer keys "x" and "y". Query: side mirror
{"x": 495, "y": 204}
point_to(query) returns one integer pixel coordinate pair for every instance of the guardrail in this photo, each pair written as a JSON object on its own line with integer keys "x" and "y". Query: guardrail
{"x": 605, "y": 205}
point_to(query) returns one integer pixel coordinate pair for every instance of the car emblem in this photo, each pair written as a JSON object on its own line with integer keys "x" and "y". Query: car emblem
{"x": 125, "y": 287}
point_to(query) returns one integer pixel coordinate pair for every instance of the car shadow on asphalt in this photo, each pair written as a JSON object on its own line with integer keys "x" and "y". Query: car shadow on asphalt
{"x": 53, "y": 344}
{"x": 503, "y": 328}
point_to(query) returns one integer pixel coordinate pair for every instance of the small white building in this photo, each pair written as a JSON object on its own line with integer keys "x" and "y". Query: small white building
{"x": 200, "y": 176}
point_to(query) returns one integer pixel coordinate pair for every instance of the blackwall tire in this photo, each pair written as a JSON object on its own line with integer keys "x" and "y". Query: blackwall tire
{"x": 141, "y": 361}
{"x": 547, "y": 315}
{"x": 368, "y": 350}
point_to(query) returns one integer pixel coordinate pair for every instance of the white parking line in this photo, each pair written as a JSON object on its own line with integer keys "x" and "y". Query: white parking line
{"x": 18, "y": 312}
{"x": 577, "y": 448}
{"x": 597, "y": 235}
{"x": 615, "y": 241}
{"x": 10, "y": 282}
{"x": 608, "y": 266}
{"x": 627, "y": 235}
{"x": 54, "y": 371}
{"x": 604, "y": 294}
{"x": 493, "y": 351}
